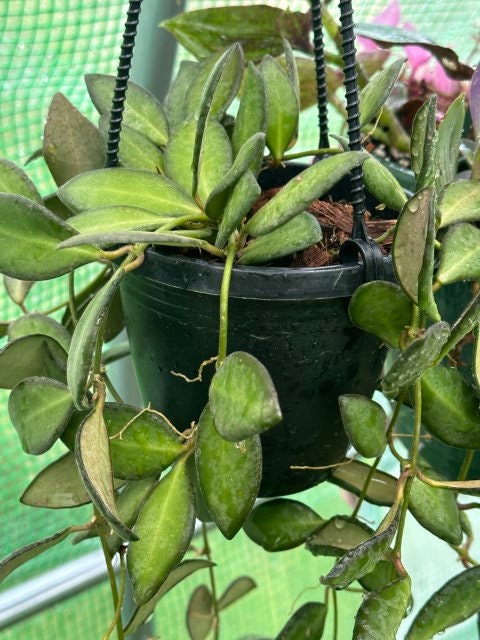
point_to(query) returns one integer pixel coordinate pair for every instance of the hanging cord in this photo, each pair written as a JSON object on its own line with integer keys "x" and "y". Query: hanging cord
{"x": 359, "y": 230}
{"x": 123, "y": 73}
{"x": 321, "y": 75}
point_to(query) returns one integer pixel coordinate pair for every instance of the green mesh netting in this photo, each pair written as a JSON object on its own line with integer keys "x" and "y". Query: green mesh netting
{"x": 47, "y": 46}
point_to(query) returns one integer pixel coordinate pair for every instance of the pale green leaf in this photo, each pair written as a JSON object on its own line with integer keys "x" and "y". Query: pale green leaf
{"x": 119, "y": 217}
{"x": 375, "y": 93}
{"x": 460, "y": 202}
{"x": 460, "y": 254}
{"x": 14, "y": 180}
{"x": 29, "y": 356}
{"x": 382, "y": 612}
{"x": 39, "y": 324}
{"x": 449, "y": 136}
{"x": 135, "y": 151}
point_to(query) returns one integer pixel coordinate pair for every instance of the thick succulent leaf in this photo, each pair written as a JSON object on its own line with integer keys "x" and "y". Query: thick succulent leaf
{"x": 39, "y": 409}
{"x": 383, "y": 574}
{"x": 142, "y": 111}
{"x": 29, "y": 235}
{"x": 175, "y": 98}
{"x": 14, "y": 180}
{"x": 172, "y": 239}
{"x": 243, "y": 400}
{"x": 30, "y": 356}
{"x": 423, "y": 143}
{"x": 436, "y": 509}
{"x": 301, "y": 191}
{"x": 426, "y": 300}
{"x": 17, "y": 290}
{"x": 58, "y": 486}
{"x": 375, "y": 93}
{"x": 84, "y": 340}
{"x": 450, "y": 408}
{"x": 216, "y": 157}
{"x": 454, "y": 602}
{"x": 291, "y": 67}
{"x": 40, "y": 324}
{"x": 179, "y": 573}
{"x": 251, "y": 116}
{"x": 3, "y": 328}
{"x": 381, "y": 308}
{"x": 449, "y": 136}
{"x": 229, "y": 475}
{"x": 281, "y": 524}
{"x": 71, "y": 143}
{"x": 259, "y": 32}
{"x": 339, "y": 534}
{"x": 476, "y": 358}
{"x": 460, "y": 254}
{"x": 236, "y": 590}
{"x": 474, "y": 103}
{"x": 416, "y": 359}
{"x": 365, "y": 423}
{"x": 361, "y": 559}
{"x": 382, "y": 488}
{"x": 243, "y": 195}
{"x": 466, "y": 323}
{"x": 460, "y": 202}
{"x": 299, "y": 233}
{"x": 381, "y": 612}
{"x": 127, "y": 187}
{"x": 383, "y": 185}
{"x": 307, "y": 622}
{"x": 135, "y": 151}
{"x": 282, "y": 107}
{"x": 200, "y": 613}
{"x": 120, "y": 217}
{"x": 56, "y": 206}
{"x": 164, "y": 527}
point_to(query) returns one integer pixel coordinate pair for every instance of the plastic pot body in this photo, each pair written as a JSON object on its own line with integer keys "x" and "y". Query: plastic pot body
{"x": 295, "y": 321}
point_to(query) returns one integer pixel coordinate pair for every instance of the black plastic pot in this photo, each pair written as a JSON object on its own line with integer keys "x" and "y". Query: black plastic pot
{"x": 294, "y": 321}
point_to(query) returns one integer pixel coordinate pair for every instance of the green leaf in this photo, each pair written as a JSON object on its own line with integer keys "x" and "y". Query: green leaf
{"x": 476, "y": 358}
{"x": 436, "y": 509}
{"x": 71, "y": 143}
{"x": 337, "y": 535}
{"x": 142, "y": 111}
{"x": 423, "y": 143}
{"x": 382, "y": 488}
{"x": 14, "y": 180}
{"x": 463, "y": 325}
{"x": 454, "y": 602}
{"x": 299, "y": 233}
{"x": 426, "y": 300}
{"x": 383, "y": 574}
{"x": 105, "y": 239}
{"x": 416, "y": 359}
{"x": 236, "y": 590}
{"x": 450, "y": 408}
{"x": 281, "y": 524}
{"x": 56, "y": 206}
{"x": 84, "y": 340}
{"x": 282, "y": 107}
{"x": 243, "y": 195}
{"x": 164, "y": 527}
{"x": 136, "y": 151}
{"x": 381, "y": 308}
{"x": 92, "y": 452}
{"x": 382, "y": 184}
{"x": 39, "y": 409}
{"x": 175, "y": 98}
{"x": 31, "y": 356}
{"x": 307, "y": 622}
{"x": 58, "y": 486}
{"x": 251, "y": 116}
{"x": 460, "y": 202}
{"x": 365, "y": 423}
{"x": 17, "y": 289}
{"x": 449, "y": 136}
{"x": 460, "y": 254}
{"x": 243, "y": 400}
{"x": 29, "y": 235}
{"x": 131, "y": 187}
{"x": 381, "y": 612}
{"x": 200, "y": 613}
{"x": 229, "y": 475}
{"x": 179, "y": 573}
{"x": 375, "y": 93}
{"x": 119, "y": 217}
{"x": 40, "y": 324}
{"x": 362, "y": 559}
{"x": 259, "y": 32}
{"x": 301, "y": 191}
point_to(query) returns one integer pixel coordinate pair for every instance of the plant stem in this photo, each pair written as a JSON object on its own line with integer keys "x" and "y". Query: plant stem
{"x": 123, "y": 579}
{"x": 391, "y": 426}
{"x": 224, "y": 291}
{"x": 368, "y": 479}
{"x": 114, "y": 393}
{"x": 335, "y": 615}
{"x": 111, "y": 576}
{"x": 71, "y": 297}
{"x": 467, "y": 463}
{"x": 213, "y": 586}
{"x": 311, "y": 152}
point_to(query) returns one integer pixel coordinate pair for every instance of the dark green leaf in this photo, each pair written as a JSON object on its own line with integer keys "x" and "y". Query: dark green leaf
{"x": 460, "y": 202}
{"x": 381, "y": 183}
{"x": 29, "y": 235}
{"x": 164, "y": 527}
{"x": 365, "y": 423}
{"x": 376, "y": 91}
{"x": 426, "y": 300}
{"x": 251, "y": 116}
{"x": 136, "y": 151}
{"x": 339, "y": 534}
{"x": 460, "y": 254}
{"x": 58, "y": 486}
{"x": 31, "y": 356}
{"x": 243, "y": 196}
{"x": 15, "y": 180}
{"x": 142, "y": 111}
{"x": 449, "y": 136}
{"x": 423, "y": 143}
{"x": 381, "y": 308}
{"x": 454, "y": 602}
{"x": 465, "y": 324}
{"x": 56, "y": 206}
{"x": 301, "y": 191}
{"x": 417, "y": 357}
{"x": 381, "y": 490}
{"x": 200, "y": 613}
{"x": 306, "y": 622}
{"x": 281, "y": 524}
{"x": 383, "y": 574}
{"x": 17, "y": 289}
{"x": 243, "y": 400}
{"x": 229, "y": 475}
{"x": 382, "y": 611}
{"x": 40, "y": 324}
{"x": 236, "y": 590}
